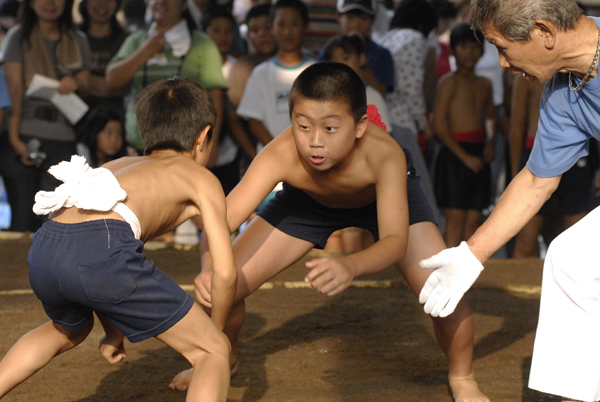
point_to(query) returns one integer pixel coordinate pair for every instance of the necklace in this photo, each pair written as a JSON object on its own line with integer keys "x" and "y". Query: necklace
{"x": 584, "y": 79}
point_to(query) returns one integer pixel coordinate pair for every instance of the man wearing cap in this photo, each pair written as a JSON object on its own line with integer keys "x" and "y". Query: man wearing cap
{"x": 356, "y": 18}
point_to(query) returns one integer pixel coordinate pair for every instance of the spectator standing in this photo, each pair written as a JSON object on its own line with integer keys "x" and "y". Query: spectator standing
{"x": 265, "y": 100}
{"x": 407, "y": 41}
{"x": 46, "y": 43}
{"x": 106, "y": 36}
{"x": 168, "y": 48}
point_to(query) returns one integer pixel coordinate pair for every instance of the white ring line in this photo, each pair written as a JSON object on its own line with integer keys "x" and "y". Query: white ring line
{"x": 373, "y": 284}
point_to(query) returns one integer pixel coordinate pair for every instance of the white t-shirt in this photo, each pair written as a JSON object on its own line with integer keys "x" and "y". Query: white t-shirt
{"x": 267, "y": 91}
{"x": 406, "y": 103}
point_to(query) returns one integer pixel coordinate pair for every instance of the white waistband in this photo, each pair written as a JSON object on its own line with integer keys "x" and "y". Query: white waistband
{"x": 129, "y": 217}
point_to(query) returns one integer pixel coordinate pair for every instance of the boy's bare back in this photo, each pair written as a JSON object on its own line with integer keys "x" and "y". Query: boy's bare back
{"x": 163, "y": 190}
{"x": 469, "y": 99}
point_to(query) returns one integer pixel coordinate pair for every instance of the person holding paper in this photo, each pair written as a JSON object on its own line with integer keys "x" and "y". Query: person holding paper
{"x": 46, "y": 44}
{"x": 170, "y": 47}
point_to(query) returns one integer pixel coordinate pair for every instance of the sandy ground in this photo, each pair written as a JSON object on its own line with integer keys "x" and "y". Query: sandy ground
{"x": 370, "y": 343}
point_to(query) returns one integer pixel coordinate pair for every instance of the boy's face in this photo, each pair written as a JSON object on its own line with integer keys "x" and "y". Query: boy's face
{"x": 221, "y": 32}
{"x": 356, "y": 23}
{"x": 467, "y": 54}
{"x": 288, "y": 29}
{"x": 325, "y": 132}
{"x": 259, "y": 33}
{"x": 352, "y": 60}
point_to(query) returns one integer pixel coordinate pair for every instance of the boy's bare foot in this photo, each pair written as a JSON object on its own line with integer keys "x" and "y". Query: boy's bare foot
{"x": 181, "y": 382}
{"x": 465, "y": 389}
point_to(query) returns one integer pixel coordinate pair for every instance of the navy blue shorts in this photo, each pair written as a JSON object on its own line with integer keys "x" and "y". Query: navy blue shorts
{"x": 458, "y": 187}
{"x": 295, "y": 213}
{"x": 575, "y": 190}
{"x": 76, "y": 269}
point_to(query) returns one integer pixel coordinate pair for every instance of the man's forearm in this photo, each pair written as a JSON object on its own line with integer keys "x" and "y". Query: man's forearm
{"x": 520, "y": 202}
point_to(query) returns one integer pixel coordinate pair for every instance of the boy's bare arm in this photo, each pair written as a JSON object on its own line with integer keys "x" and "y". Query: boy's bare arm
{"x": 518, "y": 115}
{"x": 333, "y": 275}
{"x": 259, "y": 131}
{"x": 442, "y": 130}
{"x": 265, "y": 171}
{"x": 224, "y": 277}
{"x": 239, "y": 134}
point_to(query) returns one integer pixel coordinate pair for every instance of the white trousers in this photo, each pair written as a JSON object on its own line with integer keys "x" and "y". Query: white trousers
{"x": 566, "y": 354}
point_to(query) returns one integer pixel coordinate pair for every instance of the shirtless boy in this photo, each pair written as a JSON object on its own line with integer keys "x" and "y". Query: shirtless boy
{"x": 463, "y": 119}
{"x": 88, "y": 256}
{"x": 334, "y": 166}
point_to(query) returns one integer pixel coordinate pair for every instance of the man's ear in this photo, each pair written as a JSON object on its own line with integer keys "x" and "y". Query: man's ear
{"x": 547, "y": 32}
{"x": 202, "y": 141}
{"x": 361, "y": 126}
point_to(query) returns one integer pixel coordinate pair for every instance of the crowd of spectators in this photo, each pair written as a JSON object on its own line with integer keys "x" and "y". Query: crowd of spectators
{"x": 107, "y": 51}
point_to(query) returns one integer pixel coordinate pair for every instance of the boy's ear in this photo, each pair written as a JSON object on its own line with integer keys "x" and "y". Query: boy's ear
{"x": 361, "y": 126}
{"x": 202, "y": 141}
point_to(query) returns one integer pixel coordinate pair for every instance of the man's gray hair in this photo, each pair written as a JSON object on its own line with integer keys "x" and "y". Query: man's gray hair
{"x": 515, "y": 19}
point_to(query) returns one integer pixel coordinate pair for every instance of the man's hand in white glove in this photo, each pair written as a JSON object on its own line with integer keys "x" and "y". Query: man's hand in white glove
{"x": 455, "y": 271}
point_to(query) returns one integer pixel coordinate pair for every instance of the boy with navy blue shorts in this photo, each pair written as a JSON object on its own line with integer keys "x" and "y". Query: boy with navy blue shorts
{"x": 87, "y": 257}
{"x": 339, "y": 170}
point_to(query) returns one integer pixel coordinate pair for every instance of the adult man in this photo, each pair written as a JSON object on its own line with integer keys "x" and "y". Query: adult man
{"x": 545, "y": 40}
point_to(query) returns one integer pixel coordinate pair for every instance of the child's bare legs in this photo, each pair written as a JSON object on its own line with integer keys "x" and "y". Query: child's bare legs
{"x": 472, "y": 223}
{"x": 455, "y": 221}
{"x": 453, "y": 333}
{"x": 35, "y": 349}
{"x": 260, "y": 253}
{"x": 526, "y": 245}
{"x": 207, "y": 349}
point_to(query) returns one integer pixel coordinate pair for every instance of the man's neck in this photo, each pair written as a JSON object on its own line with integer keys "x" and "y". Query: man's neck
{"x": 580, "y": 47}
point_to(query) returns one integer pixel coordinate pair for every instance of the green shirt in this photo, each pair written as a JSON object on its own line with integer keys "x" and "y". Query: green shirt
{"x": 201, "y": 64}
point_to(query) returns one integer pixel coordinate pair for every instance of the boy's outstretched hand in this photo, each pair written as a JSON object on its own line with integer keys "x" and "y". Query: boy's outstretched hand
{"x": 330, "y": 275}
{"x": 456, "y": 269}
{"x": 113, "y": 349}
{"x": 202, "y": 286}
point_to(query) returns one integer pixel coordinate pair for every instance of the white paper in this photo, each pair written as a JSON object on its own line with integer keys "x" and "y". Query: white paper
{"x": 71, "y": 106}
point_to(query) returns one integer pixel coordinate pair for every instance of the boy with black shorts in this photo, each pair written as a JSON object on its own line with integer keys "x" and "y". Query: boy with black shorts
{"x": 463, "y": 119}
{"x": 88, "y": 256}
{"x": 339, "y": 171}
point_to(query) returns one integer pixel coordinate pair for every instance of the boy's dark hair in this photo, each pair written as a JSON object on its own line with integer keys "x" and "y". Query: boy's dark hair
{"x": 463, "y": 33}
{"x": 415, "y": 14}
{"x": 297, "y": 5}
{"x": 215, "y": 12}
{"x": 350, "y": 44}
{"x": 257, "y": 11}
{"x": 171, "y": 113}
{"x": 326, "y": 82}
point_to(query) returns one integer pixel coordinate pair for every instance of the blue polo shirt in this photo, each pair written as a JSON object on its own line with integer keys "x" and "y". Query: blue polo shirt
{"x": 568, "y": 120}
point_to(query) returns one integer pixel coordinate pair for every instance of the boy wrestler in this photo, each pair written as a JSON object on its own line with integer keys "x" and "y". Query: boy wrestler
{"x": 339, "y": 171}
{"x": 88, "y": 256}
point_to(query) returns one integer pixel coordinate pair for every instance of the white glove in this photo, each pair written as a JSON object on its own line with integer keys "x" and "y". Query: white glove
{"x": 456, "y": 269}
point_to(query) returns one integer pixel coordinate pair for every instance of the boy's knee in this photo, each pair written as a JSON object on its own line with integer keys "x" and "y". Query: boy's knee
{"x": 219, "y": 348}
